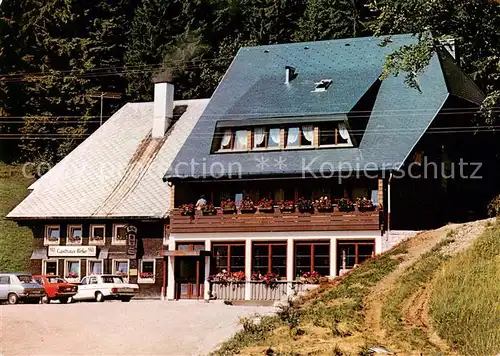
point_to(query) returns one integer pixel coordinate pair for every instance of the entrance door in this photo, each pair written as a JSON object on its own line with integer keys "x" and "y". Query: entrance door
{"x": 190, "y": 277}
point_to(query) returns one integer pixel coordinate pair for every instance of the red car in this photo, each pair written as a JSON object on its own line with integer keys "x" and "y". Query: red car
{"x": 56, "y": 288}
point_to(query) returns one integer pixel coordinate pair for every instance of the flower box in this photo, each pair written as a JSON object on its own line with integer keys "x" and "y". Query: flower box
{"x": 346, "y": 205}
{"x": 286, "y": 206}
{"x": 186, "y": 209}
{"x": 247, "y": 206}
{"x": 305, "y": 205}
{"x": 228, "y": 206}
{"x": 365, "y": 205}
{"x": 324, "y": 204}
{"x": 266, "y": 205}
{"x": 208, "y": 210}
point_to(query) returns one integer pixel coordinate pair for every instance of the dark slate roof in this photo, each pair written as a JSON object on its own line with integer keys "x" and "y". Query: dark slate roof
{"x": 253, "y": 87}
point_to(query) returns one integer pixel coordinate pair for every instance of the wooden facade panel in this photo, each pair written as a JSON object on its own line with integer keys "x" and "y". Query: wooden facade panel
{"x": 274, "y": 222}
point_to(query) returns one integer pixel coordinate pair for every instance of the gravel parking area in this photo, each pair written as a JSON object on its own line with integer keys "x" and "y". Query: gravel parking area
{"x": 116, "y": 328}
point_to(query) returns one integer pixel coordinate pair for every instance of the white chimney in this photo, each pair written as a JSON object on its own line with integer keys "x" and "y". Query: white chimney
{"x": 163, "y": 111}
{"x": 289, "y": 74}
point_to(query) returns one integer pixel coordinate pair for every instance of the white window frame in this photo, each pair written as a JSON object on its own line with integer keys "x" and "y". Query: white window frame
{"x": 74, "y": 280}
{"x": 46, "y": 240}
{"x": 89, "y": 260}
{"x": 44, "y": 265}
{"x": 113, "y": 267}
{"x": 68, "y": 234}
{"x": 147, "y": 280}
{"x": 114, "y": 240}
{"x": 92, "y": 241}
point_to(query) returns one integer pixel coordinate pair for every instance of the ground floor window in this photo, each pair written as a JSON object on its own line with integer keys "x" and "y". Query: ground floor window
{"x": 94, "y": 267}
{"x": 147, "y": 271}
{"x": 312, "y": 256}
{"x": 50, "y": 267}
{"x": 228, "y": 257}
{"x": 351, "y": 253}
{"x": 121, "y": 268}
{"x": 269, "y": 258}
{"x": 72, "y": 270}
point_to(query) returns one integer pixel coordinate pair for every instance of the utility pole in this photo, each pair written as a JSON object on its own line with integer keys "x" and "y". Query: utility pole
{"x": 102, "y": 95}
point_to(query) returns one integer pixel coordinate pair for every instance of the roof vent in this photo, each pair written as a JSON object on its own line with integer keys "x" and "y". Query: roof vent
{"x": 290, "y": 74}
{"x": 322, "y": 85}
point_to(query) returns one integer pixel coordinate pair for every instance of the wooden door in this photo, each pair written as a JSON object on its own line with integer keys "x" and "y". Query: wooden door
{"x": 189, "y": 278}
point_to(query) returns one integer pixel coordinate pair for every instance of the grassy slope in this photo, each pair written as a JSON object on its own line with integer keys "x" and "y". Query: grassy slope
{"x": 314, "y": 325}
{"x": 459, "y": 296}
{"x": 15, "y": 242}
{"x": 465, "y": 303}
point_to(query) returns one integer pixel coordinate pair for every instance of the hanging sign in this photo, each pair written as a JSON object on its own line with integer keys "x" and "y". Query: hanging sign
{"x": 77, "y": 251}
{"x": 131, "y": 241}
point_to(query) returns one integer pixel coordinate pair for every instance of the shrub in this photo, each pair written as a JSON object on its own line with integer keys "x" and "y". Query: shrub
{"x": 494, "y": 207}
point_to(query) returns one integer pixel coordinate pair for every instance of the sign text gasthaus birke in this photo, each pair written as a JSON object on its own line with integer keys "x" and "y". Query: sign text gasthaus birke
{"x": 77, "y": 251}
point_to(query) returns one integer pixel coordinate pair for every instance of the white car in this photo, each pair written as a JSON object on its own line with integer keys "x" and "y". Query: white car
{"x": 106, "y": 286}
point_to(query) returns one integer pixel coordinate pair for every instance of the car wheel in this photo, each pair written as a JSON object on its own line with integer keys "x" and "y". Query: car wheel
{"x": 126, "y": 299}
{"x": 71, "y": 300}
{"x": 45, "y": 300}
{"x": 63, "y": 300}
{"x": 12, "y": 298}
{"x": 99, "y": 297}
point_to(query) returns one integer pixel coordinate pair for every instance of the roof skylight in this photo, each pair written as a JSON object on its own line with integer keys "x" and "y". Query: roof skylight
{"x": 322, "y": 85}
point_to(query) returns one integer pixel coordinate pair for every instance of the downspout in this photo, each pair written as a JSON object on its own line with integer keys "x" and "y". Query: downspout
{"x": 389, "y": 206}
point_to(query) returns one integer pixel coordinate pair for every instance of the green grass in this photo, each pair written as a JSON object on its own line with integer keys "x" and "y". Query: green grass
{"x": 344, "y": 304}
{"x": 417, "y": 275}
{"x": 465, "y": 303}
{"x": 15, "y": 241}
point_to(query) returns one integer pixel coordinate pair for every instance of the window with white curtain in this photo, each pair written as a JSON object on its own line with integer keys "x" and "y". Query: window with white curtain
{"x": 225, "y": 143}
{"x": 241, "y": 140}
{"x": 292, "y": 138}
{"x": 326, "y": 134}
{"x": 259, "y": 137}
{"x": 343, "y": 134}
{"x": 274, "y": 137}
{"x": 307, "y": 136}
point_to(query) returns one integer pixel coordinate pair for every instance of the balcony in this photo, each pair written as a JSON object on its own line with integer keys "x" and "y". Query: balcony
{"x": 276, "y": 220}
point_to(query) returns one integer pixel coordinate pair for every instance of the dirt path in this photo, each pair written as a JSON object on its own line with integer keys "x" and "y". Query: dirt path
{"x": 416, "y": 309}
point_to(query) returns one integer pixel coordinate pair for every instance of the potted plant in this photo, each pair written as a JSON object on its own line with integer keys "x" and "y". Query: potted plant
{"x": 186, "y": 209}
{"x": 365, "y": 204}
{"x": 146, "y": 275}
{"x": 228, "y": 206}
{"x": 247, "y": 205}
{"x": 345, "y": 204}
{"x": 287, "y": 206}
{"x": 208, "y": 209}
{"x": 266, "y": 205}
{"x": 324, "y": 204}
{"x": 225, "y": 277}
{"x": 305, "y": 205}
{"x": 269, "y": 279}
{"x": 312, "y": 278}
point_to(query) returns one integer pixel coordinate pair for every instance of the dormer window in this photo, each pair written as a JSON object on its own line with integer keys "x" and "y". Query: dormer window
{"x": 322, "y": 85}
{"x": 307, "y": 135}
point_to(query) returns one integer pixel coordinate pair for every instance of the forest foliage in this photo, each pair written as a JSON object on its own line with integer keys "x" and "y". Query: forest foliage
{"x": 58, "y": 56}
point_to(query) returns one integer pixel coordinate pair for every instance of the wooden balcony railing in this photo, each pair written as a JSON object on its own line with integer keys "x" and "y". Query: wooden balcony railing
{"x": 276, "y": 221}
